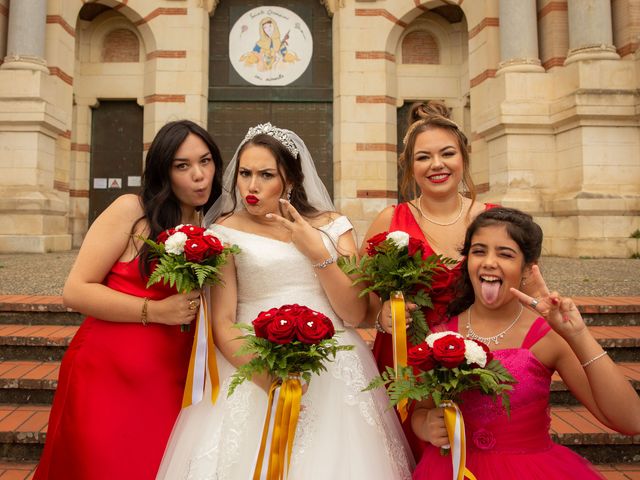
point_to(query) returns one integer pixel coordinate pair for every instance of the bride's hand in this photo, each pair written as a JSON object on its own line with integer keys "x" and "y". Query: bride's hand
{"x": 307, "y": 239}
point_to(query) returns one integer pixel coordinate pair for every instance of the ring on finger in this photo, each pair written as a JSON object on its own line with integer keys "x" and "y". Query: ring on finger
{"x": 534, "y": 303}
{"x": 193, "y": 304}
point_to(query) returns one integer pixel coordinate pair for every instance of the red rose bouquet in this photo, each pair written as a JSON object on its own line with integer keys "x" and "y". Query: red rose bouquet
{"x": 285, "y": 341}
{"x": 441, "y": 367}
{"x": 289, "y": 343}
{"x": 396, "y": 262}
{"x": 189, "y": 257}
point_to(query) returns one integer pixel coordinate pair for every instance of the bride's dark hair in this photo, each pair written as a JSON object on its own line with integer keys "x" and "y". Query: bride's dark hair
{"x": 522, "y": 230}
{"x": 289, "y": 170}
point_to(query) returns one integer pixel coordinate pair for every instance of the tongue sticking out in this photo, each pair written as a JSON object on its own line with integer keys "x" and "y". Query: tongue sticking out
{"x": 490, "y": 291}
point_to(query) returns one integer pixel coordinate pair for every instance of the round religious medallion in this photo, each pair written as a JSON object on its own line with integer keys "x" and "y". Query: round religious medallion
{"x": 270, "y": 46}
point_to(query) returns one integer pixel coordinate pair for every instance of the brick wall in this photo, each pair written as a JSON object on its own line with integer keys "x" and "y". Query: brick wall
{"x": 420, "y": 47}
{"x": 121, "y": 45}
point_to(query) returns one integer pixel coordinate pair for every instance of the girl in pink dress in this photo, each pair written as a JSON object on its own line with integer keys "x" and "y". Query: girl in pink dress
{"x": 532, "y": 337}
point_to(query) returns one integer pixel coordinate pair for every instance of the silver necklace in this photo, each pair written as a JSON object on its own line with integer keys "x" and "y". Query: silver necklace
{"x": 487, "y": 340}
{"x": 446, "y": 224}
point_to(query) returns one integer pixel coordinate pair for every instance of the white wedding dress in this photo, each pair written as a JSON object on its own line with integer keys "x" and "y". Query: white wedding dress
{"x": 342, "y": 433}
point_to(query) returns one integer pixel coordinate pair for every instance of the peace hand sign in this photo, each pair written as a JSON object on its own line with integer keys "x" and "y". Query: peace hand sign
{"x": 561, "y": 313}
{"x": 306, "y": 238}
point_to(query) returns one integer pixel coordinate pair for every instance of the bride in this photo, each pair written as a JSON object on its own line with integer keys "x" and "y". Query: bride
{"x": 280, "y": 215}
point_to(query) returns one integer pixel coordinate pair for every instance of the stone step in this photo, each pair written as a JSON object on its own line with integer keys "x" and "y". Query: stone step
{"x": 575, "y": 427}
{"x": 622, "y": 471}
{"x": 609, "y": 311}
{"x": 560, "y": 394}
{"x": 34, "y": 342}
{"x": 36, "y": 310}
{"x": 23, "y": 432}
{"x": 17, "y": 470}
{"x": 28, "y": 381}
{"x": 49, "y": 309}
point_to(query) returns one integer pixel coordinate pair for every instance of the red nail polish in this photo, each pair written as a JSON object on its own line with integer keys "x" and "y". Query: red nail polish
{"x": 554, "y": 301}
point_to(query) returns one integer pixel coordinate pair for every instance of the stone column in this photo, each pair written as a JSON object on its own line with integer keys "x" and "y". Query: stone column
{"x": 25, "y": 38}
{"x": 590, "y": 31}
{"x": 519, "y": 37}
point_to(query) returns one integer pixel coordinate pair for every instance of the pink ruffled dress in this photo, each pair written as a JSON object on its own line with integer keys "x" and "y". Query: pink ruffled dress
{"x": 500, "y": 447}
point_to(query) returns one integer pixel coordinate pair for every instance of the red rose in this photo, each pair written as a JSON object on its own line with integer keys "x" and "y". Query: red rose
{"x": 414, "y": 246}
{"x": 196, "y": 250}
{"x": 421, "y": 356}
{"x": 163, "y": 235}
{"x": 192, "y": 230}
{"x": 281, "y": 330}
{"x": 374, "y": 241}
{"x": 214, "y": 244}
{"x": 485, "y": 348}
{"x": 262, "y": 321}
{"x": 449, "y": 351}
{"x": 313, "y": 327}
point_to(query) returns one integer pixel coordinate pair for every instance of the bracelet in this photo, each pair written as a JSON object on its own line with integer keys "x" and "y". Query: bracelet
{"x": 143, "y": 316}
{"x": 324, "y": 263}
{"x": 589, "y": 362}
{"x": 377, "y": 324}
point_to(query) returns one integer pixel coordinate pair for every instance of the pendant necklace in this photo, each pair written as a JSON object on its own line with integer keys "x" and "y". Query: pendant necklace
{"x": 487, "y": 340}
{"x": 445, "y": 224}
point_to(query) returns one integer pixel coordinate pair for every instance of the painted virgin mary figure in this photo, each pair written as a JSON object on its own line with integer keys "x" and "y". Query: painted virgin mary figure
{"x": 270, "y": 49}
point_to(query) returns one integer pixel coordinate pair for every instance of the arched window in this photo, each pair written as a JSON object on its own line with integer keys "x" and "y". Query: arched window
{"x": 419, "y": 47}
{"x": 121, "y": 45}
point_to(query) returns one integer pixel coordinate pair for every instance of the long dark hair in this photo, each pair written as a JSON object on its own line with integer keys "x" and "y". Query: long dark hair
{"x": 429, "y": 116}
{"x": 522, "y": 230}
{"x": 289, "y": 170}
{"x": 159, "y": 203}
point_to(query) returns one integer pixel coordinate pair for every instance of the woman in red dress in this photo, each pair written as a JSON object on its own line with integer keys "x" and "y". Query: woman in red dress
{"x": 435, "y": 165}
{"x": 122, "y": 379}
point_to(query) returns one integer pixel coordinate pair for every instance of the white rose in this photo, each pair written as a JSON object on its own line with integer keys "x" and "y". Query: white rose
{"x": 435, "y": 336}
{"x": 474, "y": 353}
{"x": 401, "y": 239}
{"x": 175, "y": 243}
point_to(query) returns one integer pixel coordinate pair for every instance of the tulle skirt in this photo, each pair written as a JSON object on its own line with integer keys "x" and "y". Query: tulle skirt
{"x": 342, "y": 433}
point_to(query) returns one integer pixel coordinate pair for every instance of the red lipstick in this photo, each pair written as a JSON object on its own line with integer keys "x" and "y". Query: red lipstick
{"x": 251, "y": 199}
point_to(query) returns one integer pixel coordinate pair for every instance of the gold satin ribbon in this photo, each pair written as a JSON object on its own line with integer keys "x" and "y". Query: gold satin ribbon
{"x": 286, "y": 416}
{"x": 399, "y": 339}
{"x": 202, "y": 347}
{"x": 455, "y": 431}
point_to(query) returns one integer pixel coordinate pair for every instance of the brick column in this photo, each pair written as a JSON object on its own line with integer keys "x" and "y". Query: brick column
{"x": 25, "y": 38}
{"x": 519, "y": 37}
{"x": 590, "y": 31}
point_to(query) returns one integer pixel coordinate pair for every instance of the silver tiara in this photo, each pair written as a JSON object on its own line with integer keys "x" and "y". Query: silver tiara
{"x": 279, "y": 134}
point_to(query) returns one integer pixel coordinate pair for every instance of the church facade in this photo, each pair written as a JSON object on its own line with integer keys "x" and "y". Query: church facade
{"x": 546, "y": 91}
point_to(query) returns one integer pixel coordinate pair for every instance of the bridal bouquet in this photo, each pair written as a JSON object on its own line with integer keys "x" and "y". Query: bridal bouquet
{"x": 441, "y": 368}
{"x": 289, "y": 343}
{"x": 291, "y": 340}
{"x": 395, "y": 261}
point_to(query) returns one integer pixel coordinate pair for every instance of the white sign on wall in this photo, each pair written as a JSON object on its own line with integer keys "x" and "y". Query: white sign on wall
{"x": 270, "y": 46}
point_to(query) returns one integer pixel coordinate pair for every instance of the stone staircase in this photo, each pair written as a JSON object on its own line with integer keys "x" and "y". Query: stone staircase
{"x": 35, "y": 331}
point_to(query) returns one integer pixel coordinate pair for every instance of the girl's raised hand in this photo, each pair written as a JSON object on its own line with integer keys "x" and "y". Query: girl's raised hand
{"x": 560, "y": 312}
{"x": 306, "y": 238}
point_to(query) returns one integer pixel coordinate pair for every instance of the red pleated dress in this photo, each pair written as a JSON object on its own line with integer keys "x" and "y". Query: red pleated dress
{"x": 119, "y": 393}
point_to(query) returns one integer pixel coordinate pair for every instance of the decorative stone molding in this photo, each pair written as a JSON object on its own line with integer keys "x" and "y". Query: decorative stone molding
{"x": 592, "y": 52}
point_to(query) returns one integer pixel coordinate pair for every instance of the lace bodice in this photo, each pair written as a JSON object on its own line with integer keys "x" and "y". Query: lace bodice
{"x": 277, "y": 273}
